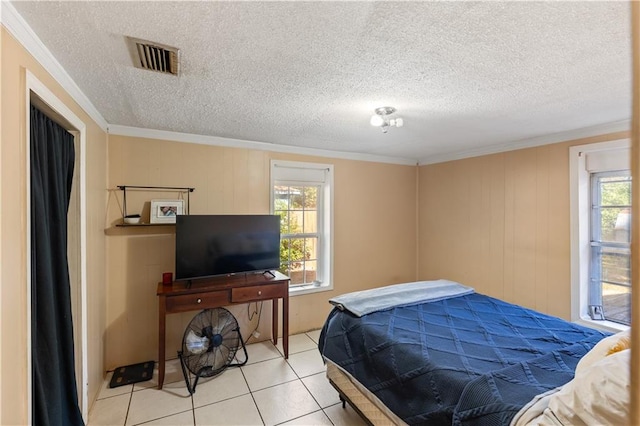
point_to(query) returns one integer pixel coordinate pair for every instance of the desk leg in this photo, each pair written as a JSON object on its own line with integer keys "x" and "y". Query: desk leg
{"x": 285, "y": 324}
{"x": 161, "y": 341}
{"x": 274, "y": 320}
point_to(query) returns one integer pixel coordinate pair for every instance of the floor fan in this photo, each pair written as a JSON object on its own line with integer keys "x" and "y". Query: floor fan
{"x": 209, "y": 345}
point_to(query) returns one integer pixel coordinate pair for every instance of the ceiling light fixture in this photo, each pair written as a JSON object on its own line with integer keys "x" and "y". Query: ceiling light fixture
{"x": 381, "y": 119}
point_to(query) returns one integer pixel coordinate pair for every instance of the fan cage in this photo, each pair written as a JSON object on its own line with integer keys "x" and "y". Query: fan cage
{"x": 210, "y": 344}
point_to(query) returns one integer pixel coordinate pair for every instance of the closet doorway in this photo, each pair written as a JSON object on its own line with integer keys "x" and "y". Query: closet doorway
{"x": 43, "y": 99}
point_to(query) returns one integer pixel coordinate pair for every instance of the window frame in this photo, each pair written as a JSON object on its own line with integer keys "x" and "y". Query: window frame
{"x": 295, "y": 173}
{"x": 580, "y": 227}
{"x": 599, "y": 246}
{"x": 304, "y": 235}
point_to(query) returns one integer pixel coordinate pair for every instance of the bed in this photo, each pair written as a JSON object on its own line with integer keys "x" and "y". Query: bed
{"x": 437, "y": 352}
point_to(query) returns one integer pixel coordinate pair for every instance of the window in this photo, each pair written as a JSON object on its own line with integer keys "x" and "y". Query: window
{"x": 301, "y": 196}
{"x": 600, "y": 233}
{"x": 297, "y": 206}
{"x": 610, "y": 269}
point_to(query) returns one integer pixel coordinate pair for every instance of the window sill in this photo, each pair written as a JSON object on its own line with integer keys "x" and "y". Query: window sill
{"x": 308, "y": 289}
{"x": 609, "y": 326}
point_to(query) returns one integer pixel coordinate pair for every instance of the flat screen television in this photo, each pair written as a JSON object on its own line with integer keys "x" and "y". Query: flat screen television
{"x": 211, "y": 245}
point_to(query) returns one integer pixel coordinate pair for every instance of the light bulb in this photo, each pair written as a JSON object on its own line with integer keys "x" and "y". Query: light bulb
{"x": 377, "y": 120}
{"x": 399, "y": 122}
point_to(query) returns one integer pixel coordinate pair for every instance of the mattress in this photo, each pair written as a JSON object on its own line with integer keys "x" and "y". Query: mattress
{"x": 468, "y": 359}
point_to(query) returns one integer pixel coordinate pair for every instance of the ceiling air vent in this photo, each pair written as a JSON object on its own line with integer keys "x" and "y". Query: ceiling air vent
{"x": 153, "y": 56}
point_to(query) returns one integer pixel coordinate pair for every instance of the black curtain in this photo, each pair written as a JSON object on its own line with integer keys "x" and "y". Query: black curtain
{"x": 55, "y": 399}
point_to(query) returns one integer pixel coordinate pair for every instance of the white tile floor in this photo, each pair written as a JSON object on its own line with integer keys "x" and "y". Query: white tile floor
{"x": 268, "y": 390}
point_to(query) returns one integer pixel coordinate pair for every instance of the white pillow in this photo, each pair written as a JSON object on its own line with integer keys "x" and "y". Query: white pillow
{"x": 599, "y": 395}
{"x": 601, "y": 350}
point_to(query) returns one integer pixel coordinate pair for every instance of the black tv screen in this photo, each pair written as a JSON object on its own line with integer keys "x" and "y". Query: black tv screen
{"x": 210, "y": 245}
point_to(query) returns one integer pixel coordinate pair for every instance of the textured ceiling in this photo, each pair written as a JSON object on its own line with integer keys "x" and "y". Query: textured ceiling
{"x": 462, "y": 75}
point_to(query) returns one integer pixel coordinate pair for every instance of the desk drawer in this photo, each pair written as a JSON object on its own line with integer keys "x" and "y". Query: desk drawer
{"x": 258, "y": 292}
{"x": 194, "y": 301}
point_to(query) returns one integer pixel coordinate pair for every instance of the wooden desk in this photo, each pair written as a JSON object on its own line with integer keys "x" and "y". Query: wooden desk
{"x": 223, "y": 291}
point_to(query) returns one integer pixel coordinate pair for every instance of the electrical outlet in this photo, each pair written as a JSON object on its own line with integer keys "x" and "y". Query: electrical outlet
{"x": 256, "y": 334}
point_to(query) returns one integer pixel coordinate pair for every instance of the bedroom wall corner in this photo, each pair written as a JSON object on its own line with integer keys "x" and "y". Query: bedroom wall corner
{"x": 500, "y": 223}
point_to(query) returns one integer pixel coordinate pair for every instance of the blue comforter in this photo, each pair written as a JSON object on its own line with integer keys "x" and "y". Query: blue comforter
{"x": 470, "y": 360}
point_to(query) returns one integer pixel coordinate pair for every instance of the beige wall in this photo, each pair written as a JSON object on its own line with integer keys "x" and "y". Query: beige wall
{"x": 13, "y": 286}
{"x": 500, "y": 223}
{"x": 374, "y": 217}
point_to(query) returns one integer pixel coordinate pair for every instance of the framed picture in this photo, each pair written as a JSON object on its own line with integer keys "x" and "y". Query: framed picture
{"x": 165, "y": 211}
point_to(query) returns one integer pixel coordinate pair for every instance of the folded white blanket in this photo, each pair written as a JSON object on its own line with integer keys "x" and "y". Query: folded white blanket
{"x": 365, "y": 302}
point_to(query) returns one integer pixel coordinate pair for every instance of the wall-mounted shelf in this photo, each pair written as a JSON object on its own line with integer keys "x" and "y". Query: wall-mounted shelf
{"x": 125, "y": 188}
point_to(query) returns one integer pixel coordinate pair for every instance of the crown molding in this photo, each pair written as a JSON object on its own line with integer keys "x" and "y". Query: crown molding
{"x": 139, "y": 132}
{"x": 20, "y": 29}
{"x": 601, "y": 129}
